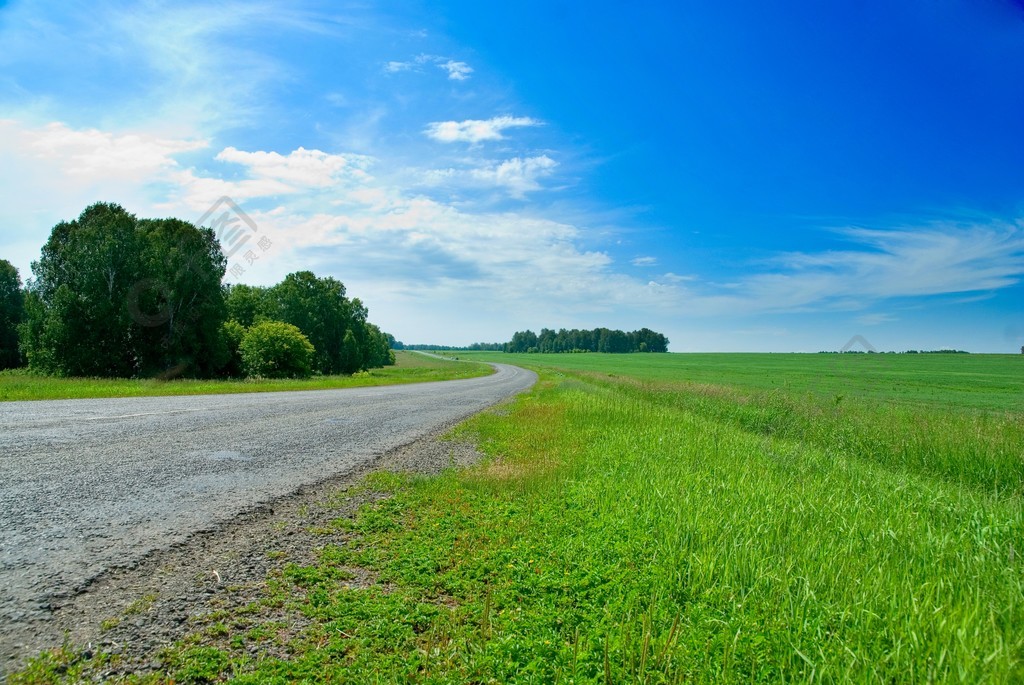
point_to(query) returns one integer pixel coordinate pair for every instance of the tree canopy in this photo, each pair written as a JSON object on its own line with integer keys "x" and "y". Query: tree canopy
{"x": 115, "y": 295}
{"x": 345, "y": 342}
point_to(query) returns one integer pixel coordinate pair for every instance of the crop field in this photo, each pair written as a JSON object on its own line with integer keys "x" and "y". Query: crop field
{"x": 409, "y": 367}
{"x": 672, "y": 518}
{"x": 964, "y": 381}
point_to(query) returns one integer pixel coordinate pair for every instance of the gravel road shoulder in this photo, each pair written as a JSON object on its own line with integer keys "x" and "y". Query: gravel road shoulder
{"x": 134, "y": 611}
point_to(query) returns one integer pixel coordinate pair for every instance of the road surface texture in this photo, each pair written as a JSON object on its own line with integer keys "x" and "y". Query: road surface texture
{"x": 92, "y": 485}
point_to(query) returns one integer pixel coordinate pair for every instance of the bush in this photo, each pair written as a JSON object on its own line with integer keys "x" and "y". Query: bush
{"x": 273, "y": 349}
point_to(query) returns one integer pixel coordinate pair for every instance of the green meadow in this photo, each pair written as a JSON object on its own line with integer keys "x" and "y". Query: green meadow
{"x": 410, "y": 367}
{"x": 670, "y": 519}
{"x": 965, "y": 381}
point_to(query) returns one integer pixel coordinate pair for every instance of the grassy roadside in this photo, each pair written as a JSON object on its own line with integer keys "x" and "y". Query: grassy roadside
{"x": 410, "y": 367}
{"x": 628, "y": 532}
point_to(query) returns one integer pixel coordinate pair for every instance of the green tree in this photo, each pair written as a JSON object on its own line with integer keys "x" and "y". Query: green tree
{"x": 250, "y": 304}
{"x": 116, "y": 296}
{"x": 178, "y": 304}
{"x": 379, "y": 348}
{"x": 319, "y": 308}
{"x": 360, "y": 328}
{"x": 522, "y": 341}
{"x": 274, "y": 349}
{"x": 350, "y": 353}
{"x": 12, "y": 312}
{"x": 78, "y": 323}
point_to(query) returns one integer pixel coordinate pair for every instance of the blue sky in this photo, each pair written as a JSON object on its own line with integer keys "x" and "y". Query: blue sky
{"x": 740, "y": 176}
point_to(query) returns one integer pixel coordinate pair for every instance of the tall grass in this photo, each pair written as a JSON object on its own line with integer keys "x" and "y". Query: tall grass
{"x": 974, "y": 449}
{"x": 714, "y": 551}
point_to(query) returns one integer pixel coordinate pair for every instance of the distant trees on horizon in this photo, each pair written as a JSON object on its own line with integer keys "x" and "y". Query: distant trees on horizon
{"x": 582, "y": 340}
{"x": 564, "y": 340}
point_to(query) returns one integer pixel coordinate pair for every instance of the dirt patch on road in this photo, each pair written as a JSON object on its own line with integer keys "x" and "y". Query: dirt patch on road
{"x": 137, "y": 609}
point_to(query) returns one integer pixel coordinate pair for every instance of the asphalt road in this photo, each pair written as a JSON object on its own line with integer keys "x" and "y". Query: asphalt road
{"x": 90, "y": 484}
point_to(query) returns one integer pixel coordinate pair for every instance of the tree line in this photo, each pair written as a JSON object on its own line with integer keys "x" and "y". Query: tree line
{"x": 118, "y": 296}
{"x": 582, "y": 340}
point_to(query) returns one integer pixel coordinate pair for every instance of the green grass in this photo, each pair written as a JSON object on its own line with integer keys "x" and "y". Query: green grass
{"x": 649, "y": 527}
{"x": 410, "y": 367}
{"x": 978, "y": 381}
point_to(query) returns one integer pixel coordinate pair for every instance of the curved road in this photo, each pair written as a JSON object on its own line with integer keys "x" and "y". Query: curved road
{"x": 89, "y": 484}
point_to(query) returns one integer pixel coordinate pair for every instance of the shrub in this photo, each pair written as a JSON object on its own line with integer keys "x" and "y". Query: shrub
{"x": 273, "y": 349}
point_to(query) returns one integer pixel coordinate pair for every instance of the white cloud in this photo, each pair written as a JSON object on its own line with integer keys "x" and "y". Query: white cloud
{"x": 198, "y": 76}
{"x": 92, "y": 153}
{"x": 303, "y": 174}
{"x": 476, "y": 130}
{"x": 518, "y": 176}
{"x": 644, "y": 261}
{"x": 424, "y": 248}
{"x": 196, "y": 192}
{"x": 301, "y": 168}
{"x": 457, "y": 71}
{"x": 676, "y": 278}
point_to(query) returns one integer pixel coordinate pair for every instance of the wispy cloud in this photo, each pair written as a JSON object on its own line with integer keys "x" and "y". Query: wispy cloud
{"x": 644, "y": 261}
{"x": 677, "y": 278}
{"x": 185, "y": 68}
{"x": 518, "y": 175}
{"x": 457, "y": 71}
{"x": 331, "y": 204}
{"x": 875, "y": 319}
{"x": 932, "y": 259}
{"x": 476, "y": 130}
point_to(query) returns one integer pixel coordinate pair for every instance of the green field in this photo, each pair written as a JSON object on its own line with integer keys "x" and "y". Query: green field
{"x": 409, "y": 367}
{"x": 979, "y": 381}
{"x": 669, "y": 519}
